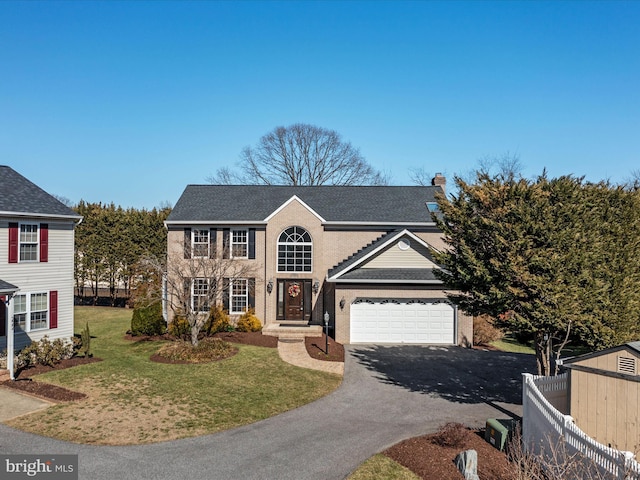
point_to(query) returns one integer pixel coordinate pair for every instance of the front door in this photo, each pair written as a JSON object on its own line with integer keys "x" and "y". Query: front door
{"x": 294, "y": 300}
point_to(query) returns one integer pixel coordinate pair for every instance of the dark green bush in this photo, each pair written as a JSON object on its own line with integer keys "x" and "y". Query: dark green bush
{"x": 86, "y": 341}
{"x": 148, "y": 320}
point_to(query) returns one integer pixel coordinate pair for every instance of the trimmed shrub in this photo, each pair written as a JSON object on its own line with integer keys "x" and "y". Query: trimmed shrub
{"x": 218, "y": 321}
{"x": 248, "y": 322}
{"x": 484, "y": 332}
{"x": 45, "y": 352}
{"x": 85, "y": 337}
{"x": 179, "y": 327}
{"x": 148, "y": 320}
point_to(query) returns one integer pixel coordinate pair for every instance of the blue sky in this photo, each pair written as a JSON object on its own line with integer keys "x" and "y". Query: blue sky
{"x": 128, "y": 102}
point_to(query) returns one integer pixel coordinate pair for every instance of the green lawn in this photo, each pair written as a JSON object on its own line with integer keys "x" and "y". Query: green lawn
{"x": 381, "y": 467}
{"x": 508, "y": 344}
{"x": 133, "y": 400}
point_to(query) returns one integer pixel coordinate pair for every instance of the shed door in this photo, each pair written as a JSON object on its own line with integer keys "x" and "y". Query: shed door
{"x": 389, "y": 321}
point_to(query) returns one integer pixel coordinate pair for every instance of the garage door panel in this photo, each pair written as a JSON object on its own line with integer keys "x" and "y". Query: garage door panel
{"x": 391, "y": 322}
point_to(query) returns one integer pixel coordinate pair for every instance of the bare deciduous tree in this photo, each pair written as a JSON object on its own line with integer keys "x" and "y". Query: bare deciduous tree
{"x": 195, "y": 284}
{"x": 302, "y": 154}
{"x": 419, "y": 176}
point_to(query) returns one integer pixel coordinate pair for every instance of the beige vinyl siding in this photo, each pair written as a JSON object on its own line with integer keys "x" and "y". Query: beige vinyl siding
{"x": 38, "y": 277}
{"x": 605, "y": 407}
{"x": 395, "y": 257}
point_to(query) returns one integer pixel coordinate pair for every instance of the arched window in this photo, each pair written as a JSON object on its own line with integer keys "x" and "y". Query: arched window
{"x": 295, "y": 250}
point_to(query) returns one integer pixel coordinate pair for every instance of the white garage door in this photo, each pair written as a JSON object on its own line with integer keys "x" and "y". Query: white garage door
{"x": 390, "y": 321}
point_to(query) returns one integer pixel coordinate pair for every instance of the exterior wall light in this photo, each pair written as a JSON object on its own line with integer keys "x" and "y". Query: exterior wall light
{"x": 316, "y": 286}
{"x": 270, "y": 286}
{"x": 342, "y": 302}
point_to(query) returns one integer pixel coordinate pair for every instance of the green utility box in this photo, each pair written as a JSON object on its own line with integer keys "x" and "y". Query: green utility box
{"x": 498, "y": 431}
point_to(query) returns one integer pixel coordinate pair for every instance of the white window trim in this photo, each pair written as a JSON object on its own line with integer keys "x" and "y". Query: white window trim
{"x": 193, "y": 242}
{"x": 193, "y": 296}
{"x": 245, "y": 243}
{"x": 279, "y": 243}
{"x": 37, "y": 225}
{"x": 27, "y": 323}
{"x": 232, "y": 295}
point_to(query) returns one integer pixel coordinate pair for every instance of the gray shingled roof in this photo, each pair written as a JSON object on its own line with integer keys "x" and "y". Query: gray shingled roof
{"x": 391, "y": 274}
{"x": 6, "y": 287}
{"x": 19, "y": 195}
{"x": 634, "y": 346}
{"x": 254, "y": 203}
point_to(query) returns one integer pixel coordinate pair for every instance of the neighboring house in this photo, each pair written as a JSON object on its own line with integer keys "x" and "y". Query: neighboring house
{"x": 36, "y": 261}
{"x": 360, "y": 254}
{"x": 604, "y": 395}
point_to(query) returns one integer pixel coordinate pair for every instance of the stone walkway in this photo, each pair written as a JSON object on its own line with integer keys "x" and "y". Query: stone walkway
{"x": 13, "y": 403}
{"x": 294, "y": 352}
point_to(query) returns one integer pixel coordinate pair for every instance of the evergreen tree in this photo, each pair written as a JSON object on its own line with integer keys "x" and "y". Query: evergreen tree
{"x": 549, "y": 259}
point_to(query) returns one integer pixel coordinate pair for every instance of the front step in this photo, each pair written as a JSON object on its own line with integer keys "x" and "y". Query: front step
{"x": 292, "y": 331}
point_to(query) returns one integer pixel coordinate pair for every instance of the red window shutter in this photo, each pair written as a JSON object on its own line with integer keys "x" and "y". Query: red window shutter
{"x": 53, "y": 309}
{"x": 44, "y": 242}
{"x": 13, "y": 242}
{"x": 3, "y": 316}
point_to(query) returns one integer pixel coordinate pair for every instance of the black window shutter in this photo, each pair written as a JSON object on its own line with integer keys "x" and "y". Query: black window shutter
{"x": 226, "y": 242}
{"x": 252, "y": 292}
{"x": 252, "y": 243}
{"x": 226, "y": 293}
{"x": 213, "y": 236}
{"x": 187, "y": 243}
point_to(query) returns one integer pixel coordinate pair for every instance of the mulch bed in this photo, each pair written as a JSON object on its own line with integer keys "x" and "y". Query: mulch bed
{"x": 249, "y": 338}
{"x": 430, "y": 461}
{"x": 68, "y": 363}
{"x": 47, "y": 391}
{"x": 44, "y": 390}
{"x": 316, "y": 349}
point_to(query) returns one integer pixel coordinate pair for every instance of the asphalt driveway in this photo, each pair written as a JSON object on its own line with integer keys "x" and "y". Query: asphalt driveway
{"x": 388, "y": 394}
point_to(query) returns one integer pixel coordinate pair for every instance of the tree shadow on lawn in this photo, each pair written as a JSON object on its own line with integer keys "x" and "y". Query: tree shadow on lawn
{"x": 456, "y": 374}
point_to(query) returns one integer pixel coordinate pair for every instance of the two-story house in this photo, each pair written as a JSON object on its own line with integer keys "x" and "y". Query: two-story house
{"x": 360, "y": 254}
{"x": 36, "y": 262}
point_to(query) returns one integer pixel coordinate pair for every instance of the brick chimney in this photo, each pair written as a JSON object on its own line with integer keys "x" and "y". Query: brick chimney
{"x": 439, "y": 181}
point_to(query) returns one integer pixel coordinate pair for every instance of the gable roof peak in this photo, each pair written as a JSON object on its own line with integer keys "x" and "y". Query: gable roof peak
{"x": 390, "y": 205}
{"x": 21, "y": 197}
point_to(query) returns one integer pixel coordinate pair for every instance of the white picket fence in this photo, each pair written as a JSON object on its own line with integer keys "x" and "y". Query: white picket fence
{"x": 543, "y": 426}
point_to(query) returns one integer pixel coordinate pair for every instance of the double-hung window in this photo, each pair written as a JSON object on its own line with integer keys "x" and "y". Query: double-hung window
{"x": 200, "y": 243}
{"x": 28, "y": 242}
{"x": 239, "y": 296}
{"x": 31, "y": 311}
{"x": 239, "y": 244}
{"x": 200, "y": 295}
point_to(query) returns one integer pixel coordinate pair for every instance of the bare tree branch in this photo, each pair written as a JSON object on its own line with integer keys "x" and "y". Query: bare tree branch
{"x": 196, "y": 284}
{"x": 419, "y": 176}
{"x": 302, "y": 154}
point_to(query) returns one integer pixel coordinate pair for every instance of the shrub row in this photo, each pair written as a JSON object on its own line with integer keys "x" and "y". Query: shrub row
{"x": 218, "y": 321}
